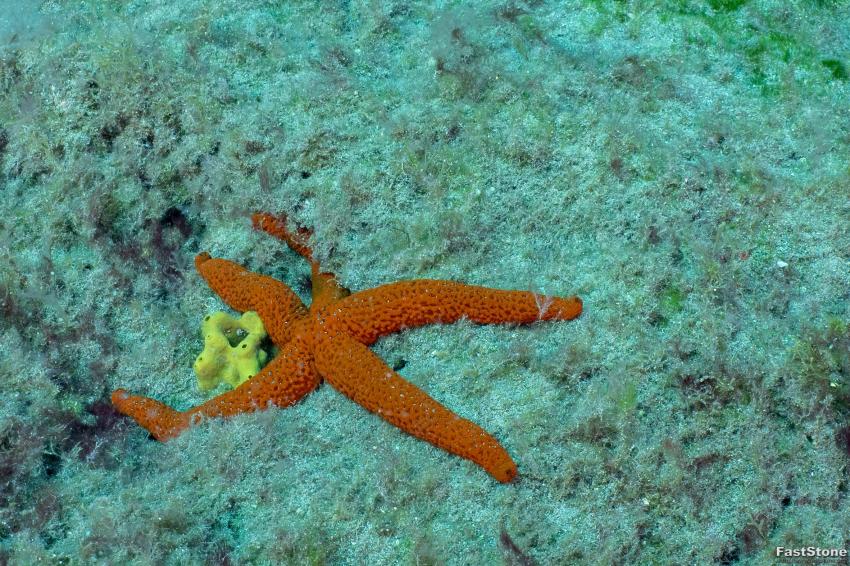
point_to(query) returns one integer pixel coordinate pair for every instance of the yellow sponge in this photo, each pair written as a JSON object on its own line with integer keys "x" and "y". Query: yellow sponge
{"x": 232, "y": 351}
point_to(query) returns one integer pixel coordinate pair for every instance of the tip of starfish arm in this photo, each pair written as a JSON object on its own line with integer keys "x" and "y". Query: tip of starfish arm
{"x": 504, "y": 471}
{"x": 201, "y": 258}
{"x": 567, "y": 308}
{"x": 508, "y": 475}
{"x": 119, "y": 396}
{"x": 160, "y": 420}
{"x": 578, "y": 305}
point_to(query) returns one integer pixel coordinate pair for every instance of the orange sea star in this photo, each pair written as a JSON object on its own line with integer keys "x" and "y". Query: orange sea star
{"x": 330, "y": 341}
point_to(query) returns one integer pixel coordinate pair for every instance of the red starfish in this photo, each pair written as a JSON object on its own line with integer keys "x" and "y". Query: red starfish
{"x": 330, "y": 341}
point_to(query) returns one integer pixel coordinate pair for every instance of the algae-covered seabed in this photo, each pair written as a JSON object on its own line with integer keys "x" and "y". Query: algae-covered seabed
{"x": 681, "y": 165}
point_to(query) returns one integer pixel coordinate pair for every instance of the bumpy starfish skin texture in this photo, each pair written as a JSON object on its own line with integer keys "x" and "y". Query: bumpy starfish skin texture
{"x": 330, "y": 341}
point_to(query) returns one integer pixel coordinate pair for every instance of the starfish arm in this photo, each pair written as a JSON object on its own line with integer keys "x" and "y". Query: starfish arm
{"x": 288, "y": 378}
{"x": 368, "y": 315}
{"x": 352, "y": 369}
{"x": 276, "y": 226}
{"x": 326, "y": 289}
{"x": 163, "y": 422}
{"x": 242, "y": 290}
